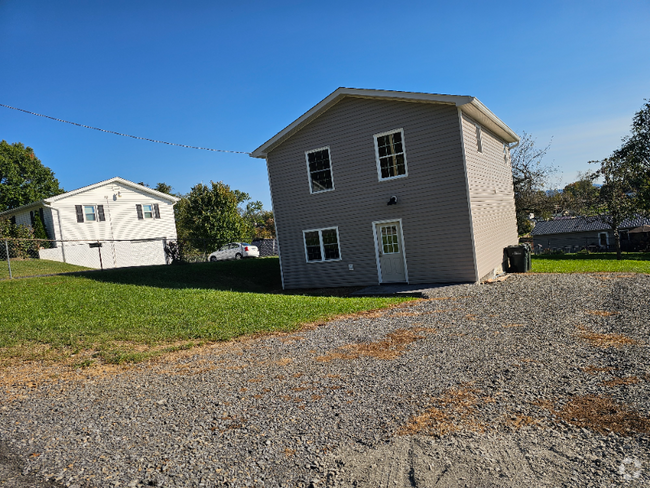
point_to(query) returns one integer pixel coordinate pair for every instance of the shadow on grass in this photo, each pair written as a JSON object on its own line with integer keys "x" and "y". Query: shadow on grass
{"x": 245, "y": 276}
{"x": 633, "y": 256}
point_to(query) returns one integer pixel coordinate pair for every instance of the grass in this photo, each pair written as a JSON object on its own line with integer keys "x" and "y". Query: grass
{"x": 128, "y": 315}
{"x": 34, "y": 267}
{"x": 591, "y": 263}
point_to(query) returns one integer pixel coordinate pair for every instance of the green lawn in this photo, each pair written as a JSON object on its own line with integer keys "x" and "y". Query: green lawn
{"x": 35, "y": 267}
{"x": 591, "y": 263}
{"x": 115, "y": 313}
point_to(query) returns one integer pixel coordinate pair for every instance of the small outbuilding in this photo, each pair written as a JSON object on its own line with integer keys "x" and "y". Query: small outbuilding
{"x": 375, "y": 186}
{"x": 572, "y": 234}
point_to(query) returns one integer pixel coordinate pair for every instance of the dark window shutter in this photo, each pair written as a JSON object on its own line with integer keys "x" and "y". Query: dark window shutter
{"x": 156, "y": 211}
{"x": 13, "y": 220}
{"x": 41, "y": 215}
{"x": 138, "y": 208}
{"x": 80, "y": 213}
{"x": 31, "y": 218}
{"x": 100, "y": 213}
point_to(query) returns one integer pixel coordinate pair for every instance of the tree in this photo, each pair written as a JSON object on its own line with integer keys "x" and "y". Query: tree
{"x": 164, "y": 188}
{"x": 260, "y": 221}
{"x": 23, "y": 178}
{"x": 617, "y": 198}
{"x": 635, "y": 154}
{"x": 529, "y": 177}
{"x": 581, "y": 196}
{"x": 209, "y": 215}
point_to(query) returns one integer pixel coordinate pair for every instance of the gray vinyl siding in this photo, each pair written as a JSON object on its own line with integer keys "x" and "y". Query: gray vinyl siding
{"x": 489, "y": 180}
{"x": 432, "y": 199}
{"x": 572, "y": 239}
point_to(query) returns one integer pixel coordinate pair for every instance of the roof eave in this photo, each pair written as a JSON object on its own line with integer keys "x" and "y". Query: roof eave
{"x": 472, "y": 106}
{"x": 484, "y": 116}
{"x": 115, "y": 179}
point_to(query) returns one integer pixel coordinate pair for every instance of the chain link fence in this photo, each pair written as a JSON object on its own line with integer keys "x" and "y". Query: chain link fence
{"x": 35, "y": 257}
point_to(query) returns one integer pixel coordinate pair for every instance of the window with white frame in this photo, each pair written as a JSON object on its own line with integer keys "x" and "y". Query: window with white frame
{"x": 319, "y": 167}
{"x": 147, "y": 211}
{"x": 603, "y": 239}
{"x": 390, "y": 154}
{"x": 322, "y": 244}
{"x": 89, "y": 213}
{"x": 479, "y": 141}
{"x": 506, "y": 150}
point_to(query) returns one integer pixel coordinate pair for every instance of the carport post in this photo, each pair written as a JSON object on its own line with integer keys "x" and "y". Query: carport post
{"x": 8, "y": 260}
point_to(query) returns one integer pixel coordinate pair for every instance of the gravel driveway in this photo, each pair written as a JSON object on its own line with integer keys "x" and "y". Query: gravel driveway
{"x": 540, "y": 380}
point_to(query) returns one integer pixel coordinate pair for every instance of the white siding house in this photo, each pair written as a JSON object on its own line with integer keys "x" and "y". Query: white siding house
{"x": 133, "y": 223}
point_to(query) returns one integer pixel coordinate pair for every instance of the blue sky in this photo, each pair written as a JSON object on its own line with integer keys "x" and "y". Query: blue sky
{"x": 230, "y": 75}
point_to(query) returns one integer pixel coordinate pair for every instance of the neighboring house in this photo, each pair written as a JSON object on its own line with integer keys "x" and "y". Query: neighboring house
{"x": 373, "y": 186}
{"x": 133, "y": 219}
{"x": 572, "y": 234}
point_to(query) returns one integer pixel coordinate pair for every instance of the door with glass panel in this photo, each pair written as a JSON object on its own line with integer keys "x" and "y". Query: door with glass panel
{"x": 391, "y": 254}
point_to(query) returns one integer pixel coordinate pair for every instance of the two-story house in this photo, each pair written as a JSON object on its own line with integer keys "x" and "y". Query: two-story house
{"x": 373, "y": 186}
{"x": 130, "y": 220}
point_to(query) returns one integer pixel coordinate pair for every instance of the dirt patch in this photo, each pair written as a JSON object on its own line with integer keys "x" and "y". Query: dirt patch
{"x": 630, "y": 380}
{"x": 455, "y": 410}
{"x": 601, "y": 313}
{"x": 603, "y": 340}
{"x": 602, "y": 414}
{"x": 516, "y": 422}
{"x": 391, "y": 347}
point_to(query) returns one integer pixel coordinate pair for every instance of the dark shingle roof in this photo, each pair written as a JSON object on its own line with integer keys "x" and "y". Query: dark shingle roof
{"x": 564, "y": 225}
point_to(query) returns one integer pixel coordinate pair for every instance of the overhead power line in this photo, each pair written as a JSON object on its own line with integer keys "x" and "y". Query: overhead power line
{"x": 121, "y": 134}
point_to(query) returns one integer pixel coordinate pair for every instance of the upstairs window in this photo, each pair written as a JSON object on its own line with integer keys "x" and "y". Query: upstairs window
{"x": 320, "y": 170}
{"x": 322, "y": 245}
{"x": 479, "y": 142}
{"x": 89, "y": 213}
{"x": 390, "y": 154}
{"x": 147, "y": 211}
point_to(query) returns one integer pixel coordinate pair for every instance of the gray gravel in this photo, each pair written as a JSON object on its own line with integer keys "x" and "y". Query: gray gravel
{"x": 271, "y": 412}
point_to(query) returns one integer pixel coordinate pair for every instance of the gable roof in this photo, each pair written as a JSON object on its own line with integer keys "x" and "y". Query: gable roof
{"x": 469, "y": 105}
{"x": 115, "y": 179}
{"x": 566, "y": 225}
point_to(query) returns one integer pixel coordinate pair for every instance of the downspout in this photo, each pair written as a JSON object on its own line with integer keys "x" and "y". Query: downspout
{"x": 110, "y": 223}
{"x": 58, "y": 218}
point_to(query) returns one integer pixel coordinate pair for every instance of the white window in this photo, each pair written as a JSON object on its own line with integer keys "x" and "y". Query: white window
{"x": 479, "y": 142}
{"x": 322, "y": 245}
{"x": 603, "y": 239}
{"x": 390, "y": 154}
{"x": 147, "y": 211}
{"x": 389, "y": 242}
{"x": 506, "y": 151}
{"x": 89, "y": 213}
{"x": 319, "y": 167}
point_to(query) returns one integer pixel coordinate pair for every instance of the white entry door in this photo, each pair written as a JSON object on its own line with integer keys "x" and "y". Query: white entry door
{"x": 390, "y": 252}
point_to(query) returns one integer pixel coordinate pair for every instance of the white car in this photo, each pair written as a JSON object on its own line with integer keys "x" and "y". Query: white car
{"x": 235, "y": 250}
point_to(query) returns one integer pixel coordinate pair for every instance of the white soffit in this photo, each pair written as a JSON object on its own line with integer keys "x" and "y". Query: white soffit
{"x": 469, "y": 105}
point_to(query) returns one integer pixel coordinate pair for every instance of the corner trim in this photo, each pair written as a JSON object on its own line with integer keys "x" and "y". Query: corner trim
{"x": 469, "y": 201}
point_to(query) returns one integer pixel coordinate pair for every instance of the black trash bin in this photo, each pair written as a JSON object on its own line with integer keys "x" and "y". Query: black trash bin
{"x": 519, "y": 258}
